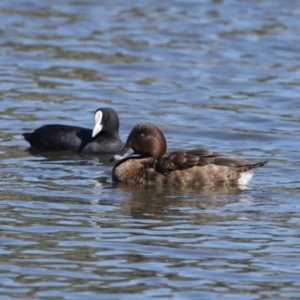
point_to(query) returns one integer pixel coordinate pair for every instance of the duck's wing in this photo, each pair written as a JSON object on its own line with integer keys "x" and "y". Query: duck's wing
{"x": 181, "y": 160}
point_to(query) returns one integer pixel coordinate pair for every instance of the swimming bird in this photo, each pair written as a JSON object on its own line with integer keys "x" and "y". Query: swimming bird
{"x": 144, "y": 160}
{"x": 103, "y": 139}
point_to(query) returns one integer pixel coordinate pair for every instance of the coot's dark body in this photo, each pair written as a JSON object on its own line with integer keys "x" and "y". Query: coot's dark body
{"x": 104, "y": 139}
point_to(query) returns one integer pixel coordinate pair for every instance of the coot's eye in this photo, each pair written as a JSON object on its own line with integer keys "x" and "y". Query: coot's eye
{"x": 141, "y": 135}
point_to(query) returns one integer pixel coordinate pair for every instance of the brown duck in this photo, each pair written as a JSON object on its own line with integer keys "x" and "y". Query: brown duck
{"x": 152, "y": 164}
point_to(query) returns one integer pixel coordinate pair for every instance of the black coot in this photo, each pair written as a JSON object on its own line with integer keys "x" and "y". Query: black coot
{"x": 103, "y": 139}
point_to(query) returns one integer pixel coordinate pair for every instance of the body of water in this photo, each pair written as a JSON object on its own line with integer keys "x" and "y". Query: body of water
{"x": 223, "y": 74}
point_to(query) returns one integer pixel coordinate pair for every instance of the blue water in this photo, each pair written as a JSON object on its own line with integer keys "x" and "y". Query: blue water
{"x": 218, "y": 74}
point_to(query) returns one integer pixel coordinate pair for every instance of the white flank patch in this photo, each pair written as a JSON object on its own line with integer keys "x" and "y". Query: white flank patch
{"x": 245, "y": 178}
{"x": 98, "y": 127}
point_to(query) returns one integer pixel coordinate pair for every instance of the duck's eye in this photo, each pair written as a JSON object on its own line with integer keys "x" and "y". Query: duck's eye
{"x": 141, "y": 135}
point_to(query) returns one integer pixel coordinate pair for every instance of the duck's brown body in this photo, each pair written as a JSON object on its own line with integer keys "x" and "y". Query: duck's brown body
{"x": 155, "y": 166}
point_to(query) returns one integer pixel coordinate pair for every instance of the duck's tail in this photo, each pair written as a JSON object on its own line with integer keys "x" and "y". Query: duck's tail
{"x": 257, "y": 165}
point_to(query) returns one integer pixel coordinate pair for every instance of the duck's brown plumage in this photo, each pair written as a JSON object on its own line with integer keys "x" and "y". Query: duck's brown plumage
{"x": 155, "y": 166}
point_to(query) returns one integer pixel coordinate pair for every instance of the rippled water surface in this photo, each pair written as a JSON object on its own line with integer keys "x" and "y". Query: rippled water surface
{"x": 224, "y": 74}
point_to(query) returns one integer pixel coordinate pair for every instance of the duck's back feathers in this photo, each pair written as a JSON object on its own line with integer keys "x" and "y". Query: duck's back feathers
{"x": 181, "y": 160}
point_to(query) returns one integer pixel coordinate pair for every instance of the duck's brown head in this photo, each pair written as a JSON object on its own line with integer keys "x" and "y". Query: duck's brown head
{"x": 145, "y": 139}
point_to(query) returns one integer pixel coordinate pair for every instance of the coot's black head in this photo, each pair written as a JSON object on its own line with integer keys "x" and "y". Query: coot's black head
{"x": 106, "y": 120}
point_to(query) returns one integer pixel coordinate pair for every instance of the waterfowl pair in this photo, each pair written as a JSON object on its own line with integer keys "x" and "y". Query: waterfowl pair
{"x": 103, "y": 139}
{"x": 152, "y": 165}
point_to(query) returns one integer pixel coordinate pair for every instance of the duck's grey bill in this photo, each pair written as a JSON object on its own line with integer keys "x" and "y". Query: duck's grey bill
{"x": 122, "y": 154}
